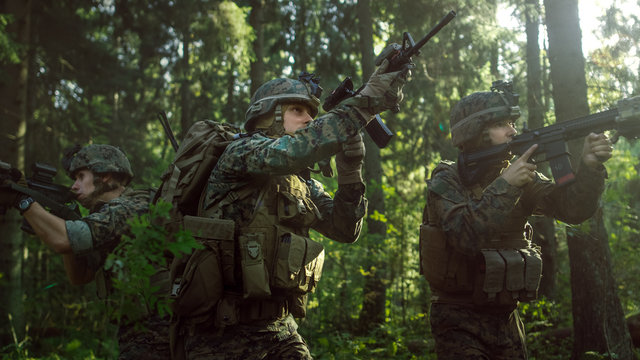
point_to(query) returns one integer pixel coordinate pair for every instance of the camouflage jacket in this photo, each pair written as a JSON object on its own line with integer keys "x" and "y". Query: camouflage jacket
{"x": 254, "y": 161}
{"x": 471, "y": 217}
{"x": 98, "y": 233}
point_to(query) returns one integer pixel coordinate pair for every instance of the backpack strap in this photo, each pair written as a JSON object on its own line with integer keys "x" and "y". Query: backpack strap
{"x": 169, "y": 192}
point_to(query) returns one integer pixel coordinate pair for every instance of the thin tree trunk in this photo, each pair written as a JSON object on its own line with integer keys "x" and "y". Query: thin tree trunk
{"x": 13, "y": 122}
{"x": 185, "y": 91}
{"x": 256, "y": 20}
{"x": 374, "y": 290}
{"x": 543, "y": 227}
{"x": 598, "y": 318}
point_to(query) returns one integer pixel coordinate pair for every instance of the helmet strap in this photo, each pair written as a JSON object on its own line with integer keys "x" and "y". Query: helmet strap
{"x": 277, "y": 127}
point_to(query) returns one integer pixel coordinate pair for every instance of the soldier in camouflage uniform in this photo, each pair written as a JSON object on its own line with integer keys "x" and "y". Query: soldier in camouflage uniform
{"x": 476, "y": 249}
{"x": 262, "y": 182}
{"x": 101, "y": 174}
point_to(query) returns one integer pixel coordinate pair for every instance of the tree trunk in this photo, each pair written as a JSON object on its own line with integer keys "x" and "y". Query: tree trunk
{"x": 374, "y": 290}
{"x": 185, "y": 91}
{"x": 543, "y": 227}
{"x": 598, "y": 319}
{"x": 13, "y": 122}
{"x": 256, "y": 20}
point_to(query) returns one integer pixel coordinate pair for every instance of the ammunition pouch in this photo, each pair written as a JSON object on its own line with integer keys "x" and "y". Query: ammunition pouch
{"x": 277, "y": 260}
{"x": 507, "y": 276}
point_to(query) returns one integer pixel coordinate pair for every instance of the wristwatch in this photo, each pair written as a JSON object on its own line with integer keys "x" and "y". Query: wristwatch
{"x": 25, "y": 204}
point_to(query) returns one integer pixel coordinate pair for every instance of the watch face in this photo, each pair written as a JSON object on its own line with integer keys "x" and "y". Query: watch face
{"x": 25, "y": 203}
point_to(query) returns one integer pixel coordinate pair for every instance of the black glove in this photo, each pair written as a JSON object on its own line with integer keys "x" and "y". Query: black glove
{"x": 349, "y": 161}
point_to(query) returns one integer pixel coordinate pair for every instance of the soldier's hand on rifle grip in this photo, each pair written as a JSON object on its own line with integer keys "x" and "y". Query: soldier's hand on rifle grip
{"x": 9, "y": 196}
{"x": 521, "y": 171}
{"x": 597, "y": 149}
{"x": 350, "y": 160}
{"x": 383, "y": 91}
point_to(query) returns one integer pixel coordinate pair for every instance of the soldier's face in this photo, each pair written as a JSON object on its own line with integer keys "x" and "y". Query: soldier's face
{"x": 295, "y": 117}
{"x": 502, "y": 132}
{"x": 83, "y": 187}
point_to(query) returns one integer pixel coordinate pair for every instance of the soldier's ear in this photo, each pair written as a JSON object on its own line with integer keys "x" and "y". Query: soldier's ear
{"x": 106, "y": 178}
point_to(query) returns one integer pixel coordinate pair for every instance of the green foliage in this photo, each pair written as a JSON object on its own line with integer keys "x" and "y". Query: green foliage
{"x": 543, "y": 319}
{"x": 386, "y": 342}
{"x": 8, "y": 47}
{"x": 137, "y": 258}
{"x": 622, "y": 205}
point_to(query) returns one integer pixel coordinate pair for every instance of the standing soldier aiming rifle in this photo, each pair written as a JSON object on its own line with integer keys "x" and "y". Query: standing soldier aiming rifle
{"x": 475, "y": 242}
{"x": 101, "y": 174}
{"x": 264, "y": 264}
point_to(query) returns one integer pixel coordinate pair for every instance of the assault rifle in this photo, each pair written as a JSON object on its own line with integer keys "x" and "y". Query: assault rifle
{"x": 398, "y": 56}
{"x": 59, "y": 200}
{"x": 552, "y": 141}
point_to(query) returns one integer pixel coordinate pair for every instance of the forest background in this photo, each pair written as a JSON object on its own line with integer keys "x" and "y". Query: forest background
{"x": 79, "y": 72}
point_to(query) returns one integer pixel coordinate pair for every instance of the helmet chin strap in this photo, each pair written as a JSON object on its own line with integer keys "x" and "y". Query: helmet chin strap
{"x": 277, "y": 126}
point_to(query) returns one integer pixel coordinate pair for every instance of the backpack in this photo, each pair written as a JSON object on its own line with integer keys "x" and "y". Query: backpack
{"x": 195, "y": 278}
{"x": 184, "y": 180}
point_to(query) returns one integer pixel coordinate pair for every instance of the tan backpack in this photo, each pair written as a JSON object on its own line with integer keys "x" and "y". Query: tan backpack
{"x": 195, "y": 278}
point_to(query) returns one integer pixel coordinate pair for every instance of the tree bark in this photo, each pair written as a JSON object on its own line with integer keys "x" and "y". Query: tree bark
{"x": 374, "y": 290}
{"x": 598, "y": 318}
{"x": 185, "y": 84}
{"x": 13, "y": 122}
{"x": 543, "y": 227}
{"x": 256, "y": 20}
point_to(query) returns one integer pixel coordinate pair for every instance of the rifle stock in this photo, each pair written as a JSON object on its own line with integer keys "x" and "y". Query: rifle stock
{"x": 552, "y": 141}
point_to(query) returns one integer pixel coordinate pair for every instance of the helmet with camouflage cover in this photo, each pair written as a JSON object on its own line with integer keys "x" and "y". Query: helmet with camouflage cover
{"x": 99, "y": 159}
{"x": 271, "y": 95}
{"x": 474, "y": 113}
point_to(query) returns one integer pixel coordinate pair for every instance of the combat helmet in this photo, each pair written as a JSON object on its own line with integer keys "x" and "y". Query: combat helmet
{"x": 271, "y": 95}
{"x": 98, "y": 158}
{"x": 473, "y": 113}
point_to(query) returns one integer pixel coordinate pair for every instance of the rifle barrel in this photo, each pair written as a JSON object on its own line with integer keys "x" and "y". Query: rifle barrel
{"x": 444, "y": 21}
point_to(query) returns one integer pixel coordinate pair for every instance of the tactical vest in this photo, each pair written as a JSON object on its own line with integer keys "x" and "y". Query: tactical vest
{"x": 255, "y": 271}
{"x": 508, "y": 268}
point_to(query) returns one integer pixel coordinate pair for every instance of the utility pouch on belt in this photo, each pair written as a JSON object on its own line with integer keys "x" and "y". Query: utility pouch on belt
{"x": 255, "y": 277}
{"x": 298, "y": 264}
{"x": 200, "y": 287}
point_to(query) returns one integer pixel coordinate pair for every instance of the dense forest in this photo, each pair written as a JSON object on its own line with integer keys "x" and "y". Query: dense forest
{"x": 100, "y": 71}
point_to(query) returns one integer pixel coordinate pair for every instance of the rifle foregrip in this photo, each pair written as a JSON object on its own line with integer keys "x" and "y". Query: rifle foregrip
{"x": 379, "y": 132}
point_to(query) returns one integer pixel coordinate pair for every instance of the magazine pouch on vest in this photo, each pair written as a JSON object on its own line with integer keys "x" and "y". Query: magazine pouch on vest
{"x": 508, "y": 275}
{"x": 255, "y": 275}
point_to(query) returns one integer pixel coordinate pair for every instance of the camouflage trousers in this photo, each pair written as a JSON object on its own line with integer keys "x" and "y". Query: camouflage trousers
{"x": 149, "y": 340}
{"x": 273, "y": 340}
{"x": 466, "y": 333}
